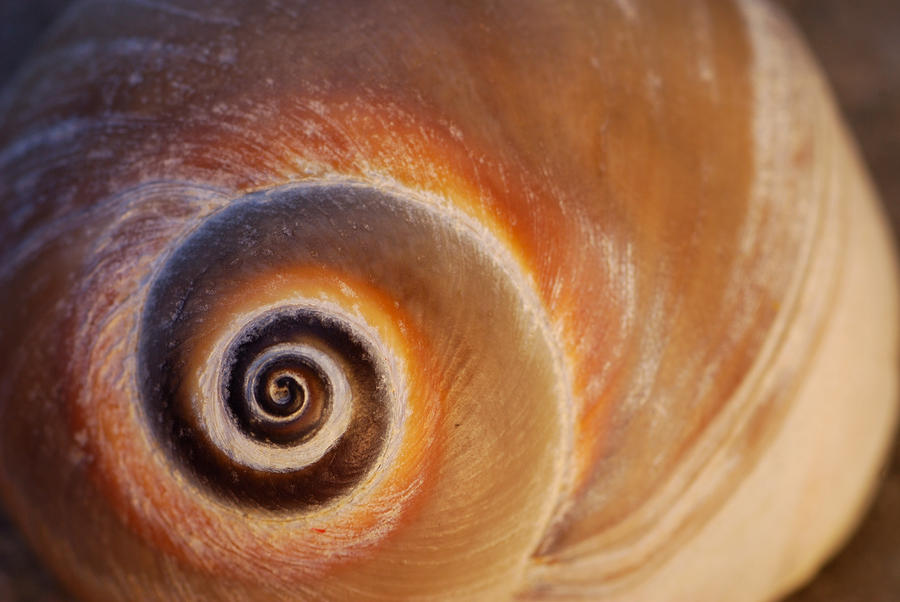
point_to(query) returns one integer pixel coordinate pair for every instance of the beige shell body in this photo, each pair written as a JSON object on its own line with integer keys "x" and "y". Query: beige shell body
{"x": 583, "y": 300}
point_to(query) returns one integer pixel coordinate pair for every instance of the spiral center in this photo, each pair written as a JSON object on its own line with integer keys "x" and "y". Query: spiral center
{"x": 283, "y": 393}
{"x": 286, "y": 393}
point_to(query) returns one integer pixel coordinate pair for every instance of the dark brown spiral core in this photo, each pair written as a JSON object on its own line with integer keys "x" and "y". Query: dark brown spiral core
{"x": 302, "y": 397}
{"x": 284, "y": 397}
{"x": 277, "y": 391}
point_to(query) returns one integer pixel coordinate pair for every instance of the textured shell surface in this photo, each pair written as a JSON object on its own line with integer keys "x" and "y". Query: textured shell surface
{"x": 420, "y": 300}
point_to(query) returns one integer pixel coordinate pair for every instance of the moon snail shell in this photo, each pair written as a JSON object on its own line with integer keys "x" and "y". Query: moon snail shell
{"x": 415, "y": 300}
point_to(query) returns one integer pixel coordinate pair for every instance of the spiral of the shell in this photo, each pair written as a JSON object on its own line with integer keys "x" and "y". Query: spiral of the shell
{"x": 380, "y": 300}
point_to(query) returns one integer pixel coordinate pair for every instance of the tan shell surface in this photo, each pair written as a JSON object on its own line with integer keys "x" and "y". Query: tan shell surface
{"x": 608, "y": 258}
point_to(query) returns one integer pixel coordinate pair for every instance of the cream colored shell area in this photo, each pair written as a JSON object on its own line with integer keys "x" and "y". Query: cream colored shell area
{"x": 809, "y": 488}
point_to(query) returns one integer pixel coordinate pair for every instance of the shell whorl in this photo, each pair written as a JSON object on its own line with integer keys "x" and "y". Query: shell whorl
{"x": 339, "y": 302}
{"x": 316, "y": 278}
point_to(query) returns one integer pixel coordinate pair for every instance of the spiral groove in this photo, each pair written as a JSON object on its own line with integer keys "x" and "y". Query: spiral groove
{"x": 286, "y": 394}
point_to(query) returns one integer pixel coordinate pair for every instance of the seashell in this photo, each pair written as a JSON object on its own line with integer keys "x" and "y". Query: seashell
{"x": 404, "y": 300}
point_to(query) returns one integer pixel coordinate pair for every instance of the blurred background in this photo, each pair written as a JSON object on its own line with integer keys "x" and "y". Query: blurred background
{"x": 857, "y": 43}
